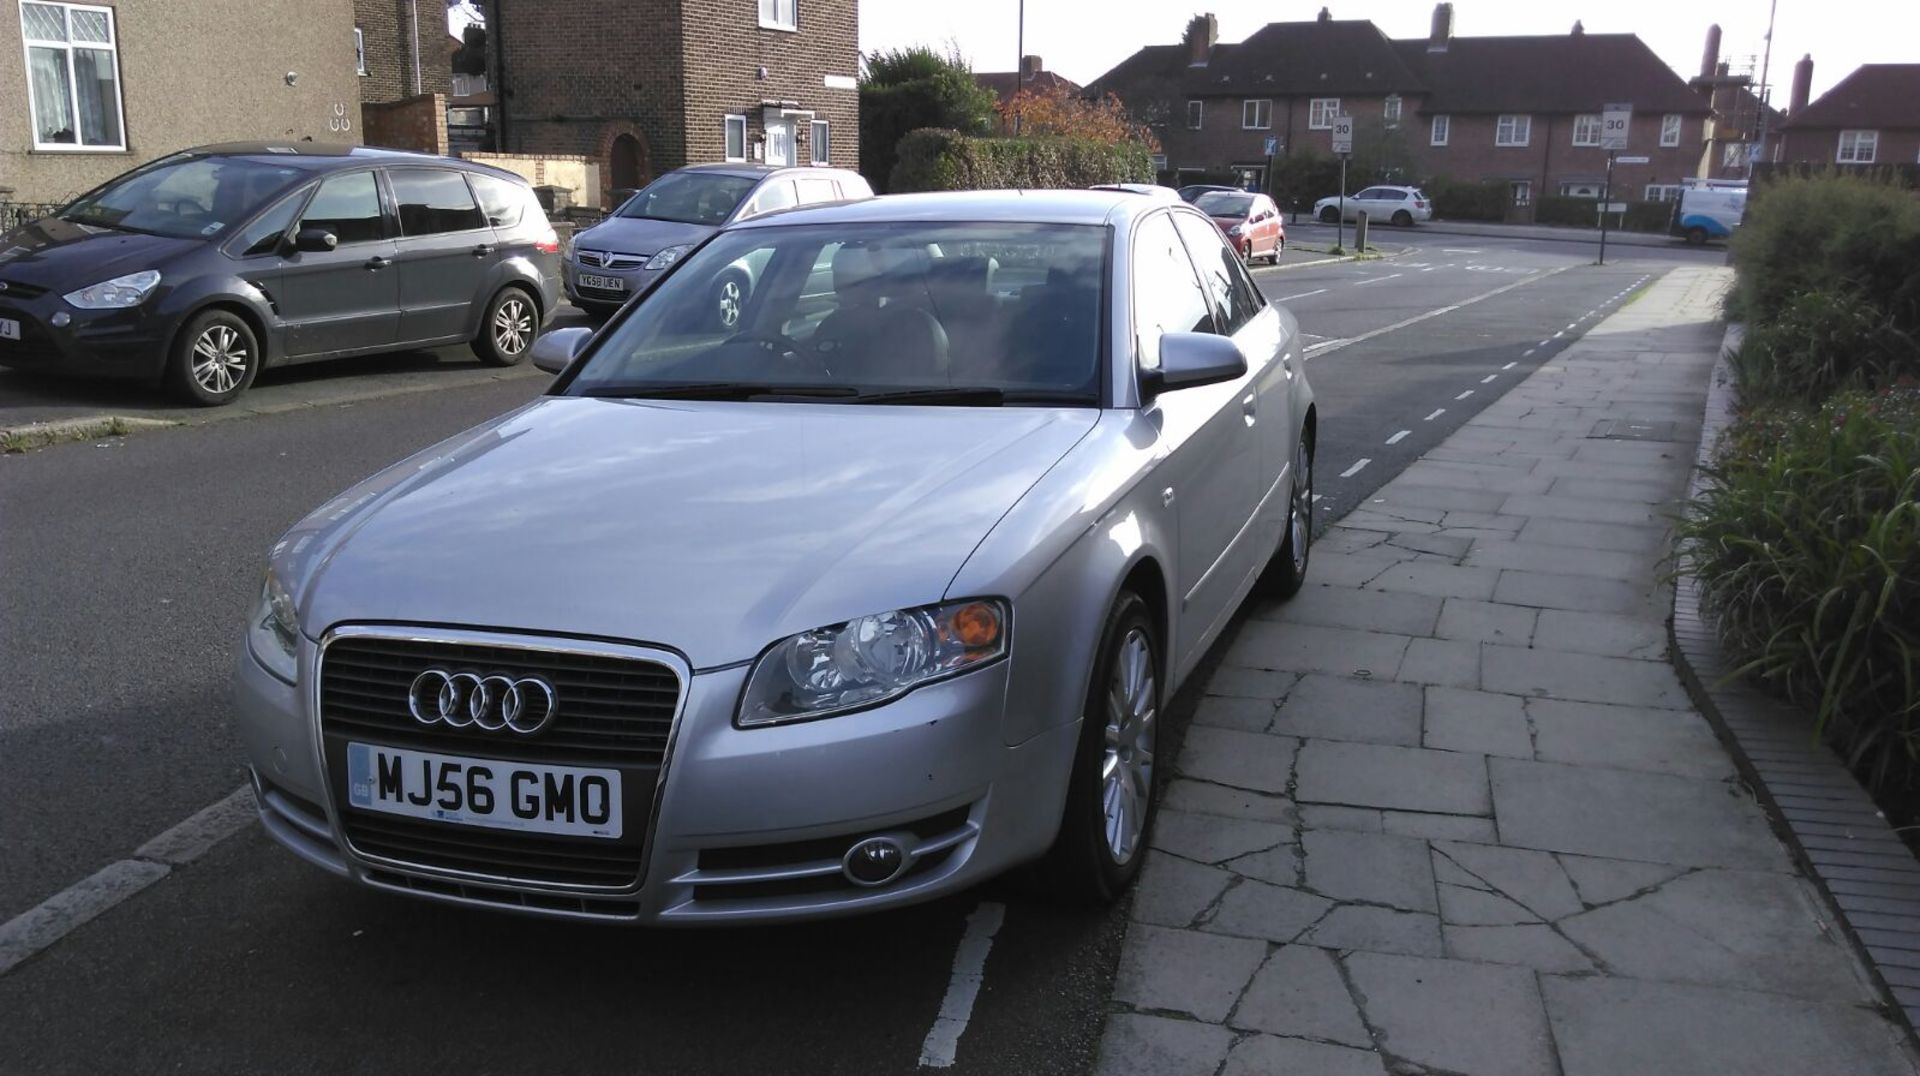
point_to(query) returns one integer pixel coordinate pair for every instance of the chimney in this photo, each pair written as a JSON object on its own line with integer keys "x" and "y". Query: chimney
{"x": 1711, "y": 56}
{"x": 1202, "y": 32}
{"x": 1442, "y": 34}
{"x": 1802, "y": 85}
{"x": 1325, "y": 15}
{"x": 1579, "y": 28}
{"x": 1029, "y": 67}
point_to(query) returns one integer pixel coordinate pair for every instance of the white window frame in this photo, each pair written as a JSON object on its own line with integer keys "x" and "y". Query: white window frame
{"x": 770, "y": 15}
{"x": 1663, "y": 192}
{"x": 1521, "y": 191}
{"x": 359, "y": 51}
{"x": 1321, "y": 112}
{"x": 1586, "y": 129}
{"x": 1196, "y": 113}
{"x": 1513, "y": 129}
{"x": 1670, "y": 128}
{"x": 819, "y": 137}
{"x": 1441, "y": 130}
{"x": 1871, "y": 140}
{"x": 73, "y": 78}
{"x": 1390, "y": 110}
{"x": 1254, "y": 104}
{"x": 725, "y": 124}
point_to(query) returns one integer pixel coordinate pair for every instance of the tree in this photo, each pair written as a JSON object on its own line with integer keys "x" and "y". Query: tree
{"x": 903, "y": 90}
{"x": 1056, "y": 112}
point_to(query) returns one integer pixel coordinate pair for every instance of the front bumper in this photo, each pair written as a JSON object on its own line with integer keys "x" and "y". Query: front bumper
{"x": 128, "y": 343}
{"x": 637, "y": 280}
{"x": 747, "y": 825}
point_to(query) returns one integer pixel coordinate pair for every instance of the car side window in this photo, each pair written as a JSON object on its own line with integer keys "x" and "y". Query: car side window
{"x": 1167, "y": 295}
{"x": 815, "y": 191}
{"x": 1217, "y": 263}
{"x": 504, "y": 203}
{"x": 347, "y": 205}
{"x": 433, "y": 201}
{"x": 775, "y": 195}
{"x": 264, "y": 234}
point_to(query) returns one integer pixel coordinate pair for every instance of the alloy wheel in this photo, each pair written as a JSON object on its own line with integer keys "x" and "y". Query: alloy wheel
{"x": 1301, "y": 518}
{"x": 1126, "y": 771}
{"x": 729, "y": 303}
{"x": 512, "y": 326}
{"x": 220, "y": 359}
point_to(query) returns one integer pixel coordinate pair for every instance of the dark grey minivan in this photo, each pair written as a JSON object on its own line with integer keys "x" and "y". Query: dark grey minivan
{"x": 199, "y": 269}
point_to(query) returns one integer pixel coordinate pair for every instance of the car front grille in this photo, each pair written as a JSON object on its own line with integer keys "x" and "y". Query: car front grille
{"x": 607, "y": 259}
{"x": 578, "y": 861}
{"x": 20, "y": 289}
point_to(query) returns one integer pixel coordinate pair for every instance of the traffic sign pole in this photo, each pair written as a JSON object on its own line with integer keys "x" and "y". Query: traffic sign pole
{"x": 1606, "y": 194}
{"x": 1340, "y": 236}
{"x": 1615, "y": 121}
{"x": 1343, "y": 145}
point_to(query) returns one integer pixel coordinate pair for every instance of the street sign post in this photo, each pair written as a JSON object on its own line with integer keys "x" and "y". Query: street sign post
{"x": 1635, "y": 160}
{"x": 1342, "y": 145}
{"x": 1615, "y": 121}
{"x": 1273, "y": 146}
{"x": 1343, "y": 134}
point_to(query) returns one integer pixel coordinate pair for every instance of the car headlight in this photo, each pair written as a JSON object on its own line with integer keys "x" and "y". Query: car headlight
{"x": 870, "y": 660}
{"x": 667, "y": 256}
{"x": 273, "y": 632}
{"x": 118, "y": 293}
{"x": 1236, "y": 229}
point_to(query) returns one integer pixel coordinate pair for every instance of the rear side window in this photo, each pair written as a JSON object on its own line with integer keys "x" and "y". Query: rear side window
{"x": 432, "y": 201}
{"x": 504, "y": 202}
{"x": 815, "y": 191}
{"x": 1233, "y": 296}
{"x": 1166, "y": 293}
{"x": 775, "y": 195}
{"x": 854, "y": 186}
{"x": 348, "y": 206}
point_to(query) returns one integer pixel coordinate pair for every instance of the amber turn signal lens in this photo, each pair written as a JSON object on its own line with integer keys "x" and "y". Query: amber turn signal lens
{"x": 977, "y": 625}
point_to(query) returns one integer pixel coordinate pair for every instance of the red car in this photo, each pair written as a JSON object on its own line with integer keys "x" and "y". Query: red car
{"x": 1251, "y": 221}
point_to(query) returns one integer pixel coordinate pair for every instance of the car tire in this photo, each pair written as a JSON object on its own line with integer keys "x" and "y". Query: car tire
{"x": 1279, "y": 245}
{"x": 1287, "y": 571}
{"x": 729, "y": 300}
{"x": 508, "y": 328}
{"x": 1402, "y": 219}
{"x": 1696, "y": 236}
{"x": 1094, "y": 856}
{"x": 214, "y": 359}
{"x": 1329, "y": 215}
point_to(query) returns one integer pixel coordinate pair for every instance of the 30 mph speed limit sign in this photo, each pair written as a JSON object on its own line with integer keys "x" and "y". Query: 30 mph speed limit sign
{"x": 1613, "y": 126}
{"x": 1343, "y": 134}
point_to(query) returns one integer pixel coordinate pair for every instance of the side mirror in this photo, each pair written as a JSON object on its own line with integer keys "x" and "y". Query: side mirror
{"x": 555, "y": 351}
{"x": 315, "y": 241}
{"x": 1191, "y": 359}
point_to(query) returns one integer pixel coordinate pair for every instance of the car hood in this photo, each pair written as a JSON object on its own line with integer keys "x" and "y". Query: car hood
{"x": 640, "y": 235}
{"x": 713, "y": 529}
{"x": 60, "y": 255}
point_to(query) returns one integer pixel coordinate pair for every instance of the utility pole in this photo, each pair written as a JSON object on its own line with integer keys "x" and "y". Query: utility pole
{"x": 1020, "y": 61}
{"x": 1766, "y": 62}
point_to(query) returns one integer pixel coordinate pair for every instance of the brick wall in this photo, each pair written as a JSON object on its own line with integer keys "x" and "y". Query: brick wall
{"x": 579, "y": 175}
{"x": 387, "y": 29}
{"x": 1550, "y": 158}
{"x": 417, "y": 123}
{"x": 726, "y": 49}
{"x": 1820, "y": 145}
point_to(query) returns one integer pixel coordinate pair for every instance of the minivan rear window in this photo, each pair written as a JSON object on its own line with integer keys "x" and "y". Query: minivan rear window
{"x": 504, "y": 202}
{"x": 432, "y": 201}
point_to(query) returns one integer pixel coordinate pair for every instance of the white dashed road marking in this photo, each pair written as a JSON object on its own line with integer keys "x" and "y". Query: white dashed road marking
{"x": 1377, "y": 279}
{"x": 969, "y": 970}
{"x": 1398, "y": 437}
{"x": 1302, "y": 295}
{"x": 1333, "y": 345}
{"x": 1464, "y": 395}
{"x": 1356, "y": 468}
{"x": 1488, "y": 378}
{"x": 1437, "y": 412}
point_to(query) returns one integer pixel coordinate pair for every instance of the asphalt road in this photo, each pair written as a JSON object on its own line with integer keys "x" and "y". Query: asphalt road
{"x": 126, "y": 566}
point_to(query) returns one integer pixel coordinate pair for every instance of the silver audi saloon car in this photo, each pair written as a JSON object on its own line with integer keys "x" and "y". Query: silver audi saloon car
{"x": 865, "y": 598}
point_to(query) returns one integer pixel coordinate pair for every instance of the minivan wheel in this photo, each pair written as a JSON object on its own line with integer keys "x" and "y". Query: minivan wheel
{"x": 214, "y": 359}
{"x": 507, "y": 331}
{"x": 1110, "y": 793}
{"x": 1329, "y": 215}
{"x": 1287, "y": 572}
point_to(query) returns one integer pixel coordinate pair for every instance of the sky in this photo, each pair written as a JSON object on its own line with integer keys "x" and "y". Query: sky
{"x": 1082, "y": 39}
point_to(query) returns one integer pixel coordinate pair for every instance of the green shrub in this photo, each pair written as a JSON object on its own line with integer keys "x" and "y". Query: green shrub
{"x": 907, "y": 89}
{"x": 937, "y": 160}
{"x": 1832, "y": 233}
{"x": 1806, "y": 545}
{"x": 1820, "y": 342}
{"x": 1457, "y": 200}
{"x": 1566, "y": 211}
{"x": 1649, "y": 216}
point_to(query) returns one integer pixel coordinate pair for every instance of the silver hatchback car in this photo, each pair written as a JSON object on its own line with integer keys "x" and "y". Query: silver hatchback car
{"x": 864, "y": 599}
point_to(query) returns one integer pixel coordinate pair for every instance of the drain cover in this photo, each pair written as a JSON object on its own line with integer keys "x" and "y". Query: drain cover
{"x": 1632, "y": 429}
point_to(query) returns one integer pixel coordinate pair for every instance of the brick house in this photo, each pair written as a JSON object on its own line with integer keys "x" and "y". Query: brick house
{"x": 1871, "y": 117}
{"x": 1520, "y": 110}
{"x": 646, "y": 86}
{"x": 401, "y": 48}
{"x": 1033, "y": 75}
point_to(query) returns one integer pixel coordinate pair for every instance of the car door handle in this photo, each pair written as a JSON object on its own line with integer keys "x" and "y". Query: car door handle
{"x": 483, "y": 250}
{"x": 379, "y": 262}
{"x": 1249, "y": 405}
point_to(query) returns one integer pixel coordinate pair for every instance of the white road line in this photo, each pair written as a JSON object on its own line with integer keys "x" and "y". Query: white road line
{"x": 1456, "y": 250}
{"x": 1398, "y": 437}
{"x": 1559, "y": 334}
{"x": 1302, "y": 295}
{"x": 1311, "y": 348}
{"x": 969, "y": 970}
{"x": 1377, "y": 279}
{"x": 1317, "y": 498}
{"x": 1333, "y": 345}
{"x": 1571, "y": 325}
{"x": 1487, "y": 380}
{"x": 1527, "y": 352}
{"x": 1544, "y": 343}
{"x": 1437, "y": 412}
{"x": 1511, "y": 365}
{"x": 80, "y": 903}
{"x": 1464, "y": 395}
{"x": 1356, "y": 468}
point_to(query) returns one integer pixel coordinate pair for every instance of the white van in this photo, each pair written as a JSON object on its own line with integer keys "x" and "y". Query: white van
{"x": 1708, "y": 212}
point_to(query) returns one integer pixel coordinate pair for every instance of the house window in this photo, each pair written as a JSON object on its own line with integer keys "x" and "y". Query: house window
{"x": 1256, "y": 115}
{"x": 818, "y": 140}
{"x": 779, "y": 14}
{"x": 1586, "y": 130}
{"x": 73, "y": 76}
{"x": 1670, "y": 129}
{"x": 1159, "y": 163}
{"x": 359, "y": 50}
{"x": 1320, "y": 113}
{"x": 1391, "y": 111}
{"x": 1858, "y": 147}
{"x": 1194, "y": 108}
{"x": 1513, "y": 131}
{"x": 1442, "y": 127}
{"x": 736, "y": 138}
{"x": 1522, "y": 191}
{"x": 1580, "y": 188}
{"x": 1663, "y": 192}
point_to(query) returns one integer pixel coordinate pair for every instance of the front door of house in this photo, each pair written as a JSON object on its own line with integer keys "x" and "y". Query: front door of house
{"x": 779, "y": 142}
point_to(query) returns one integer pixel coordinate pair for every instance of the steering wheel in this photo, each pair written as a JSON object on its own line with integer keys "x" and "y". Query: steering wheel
{"x": 786, "y": 347}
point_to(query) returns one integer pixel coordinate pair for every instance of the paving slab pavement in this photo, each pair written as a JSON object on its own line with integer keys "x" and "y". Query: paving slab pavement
{"x": 1451, "y": 810}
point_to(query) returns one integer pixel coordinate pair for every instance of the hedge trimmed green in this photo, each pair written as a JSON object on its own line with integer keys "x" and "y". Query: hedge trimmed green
{"x": 940, "y": 160}
{"x": 1459, "y": 200}
{"x": 1836, "y": 233}
{"x": 1573, "y": 212}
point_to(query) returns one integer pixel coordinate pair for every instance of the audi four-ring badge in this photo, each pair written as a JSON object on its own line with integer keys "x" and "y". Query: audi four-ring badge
{"x": 860, "y": 594}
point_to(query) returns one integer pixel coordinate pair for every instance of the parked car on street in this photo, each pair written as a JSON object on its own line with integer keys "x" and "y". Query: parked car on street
{"x": 1400, "y": 206}
{"x": 1194, "y": 190}
{"x": 1708, "y": 210}
{"x": 624, "y": 254}
{"x": 201, "y": 268}
{"x": 874, "y": 593}
{"x": 1251, "y": 222}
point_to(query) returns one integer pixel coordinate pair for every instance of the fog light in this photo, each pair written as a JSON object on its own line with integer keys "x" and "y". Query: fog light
{"x": 61, "y": 320}
{"x": 875, "y": 861}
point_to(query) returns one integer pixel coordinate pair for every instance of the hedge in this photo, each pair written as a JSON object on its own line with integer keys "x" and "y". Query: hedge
{"x": 1836, "y": 233}
{"x": 1574, "y": 212}
{"x": 931, "y": 159}
{"x": 1459, "y": 200}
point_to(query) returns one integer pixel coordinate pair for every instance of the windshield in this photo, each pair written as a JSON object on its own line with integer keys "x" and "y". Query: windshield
{"x": 690, "y": 197}
{"x": 976, "y": 314}
{"x": 185, "y": 197}
{"x": 1224, "y": 204}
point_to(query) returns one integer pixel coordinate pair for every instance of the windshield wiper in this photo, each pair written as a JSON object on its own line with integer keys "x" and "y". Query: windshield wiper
{"x": 716, "y": 390}
{"x": 97, "y": 222}
{"x": 972, "y": 396}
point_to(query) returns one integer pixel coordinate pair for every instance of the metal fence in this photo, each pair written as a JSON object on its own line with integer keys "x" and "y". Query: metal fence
{"x": 14, "y": 214}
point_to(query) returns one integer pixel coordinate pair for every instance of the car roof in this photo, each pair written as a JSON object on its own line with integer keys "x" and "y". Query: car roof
{"x": 1010, "y": 206}
{"x": 758, "y": 171}
{"x": 325, "y": 157}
